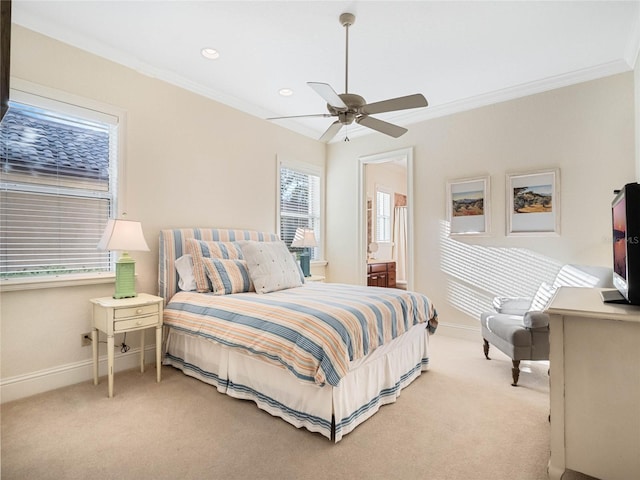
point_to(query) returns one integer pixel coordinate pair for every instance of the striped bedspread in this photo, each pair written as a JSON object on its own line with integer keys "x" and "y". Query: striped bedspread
{"x": 314, "y": 331}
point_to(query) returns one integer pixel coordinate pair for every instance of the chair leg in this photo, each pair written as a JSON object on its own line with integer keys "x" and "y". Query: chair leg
{"x": 515, "y": 372}
{"x": 486, "y": 349}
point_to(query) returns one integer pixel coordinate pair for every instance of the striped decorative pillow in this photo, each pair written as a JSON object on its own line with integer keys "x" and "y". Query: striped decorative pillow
{"x": 201, "y": 249}
{"x": 228, "y": 276}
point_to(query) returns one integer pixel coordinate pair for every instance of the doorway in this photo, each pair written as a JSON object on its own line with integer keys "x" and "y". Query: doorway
{"x": 386, "y": 232}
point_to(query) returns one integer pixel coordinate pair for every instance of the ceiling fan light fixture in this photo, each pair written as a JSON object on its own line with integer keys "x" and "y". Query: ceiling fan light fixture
{"x": 210, "y": 53}
{"x": 349, "y": 107}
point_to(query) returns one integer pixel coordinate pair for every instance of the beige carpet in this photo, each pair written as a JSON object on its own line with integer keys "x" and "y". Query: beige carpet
{"x": 461, "y": 420}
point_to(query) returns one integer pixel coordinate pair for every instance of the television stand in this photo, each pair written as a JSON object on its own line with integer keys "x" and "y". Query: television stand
{"x": 613, "y": 296}
{"x": 594, "y": 385}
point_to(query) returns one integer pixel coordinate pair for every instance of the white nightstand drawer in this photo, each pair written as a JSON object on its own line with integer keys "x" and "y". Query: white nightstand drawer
{"x": 122, "y": 315}
{"x": 135, "y": 311}
{"x": 137, "y": 322}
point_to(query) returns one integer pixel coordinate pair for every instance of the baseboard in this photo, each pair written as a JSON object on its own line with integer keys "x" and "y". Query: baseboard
{"x": 21, "y": 386}
{"x": 463, "y": 332}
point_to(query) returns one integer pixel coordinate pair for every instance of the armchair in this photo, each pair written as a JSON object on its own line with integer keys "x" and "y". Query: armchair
{"x": 519, "y": 327}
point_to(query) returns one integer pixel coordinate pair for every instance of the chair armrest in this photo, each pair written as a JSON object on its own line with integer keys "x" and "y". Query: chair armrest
{"x": 512, "y": 305}
{"x": 535, "y": 319}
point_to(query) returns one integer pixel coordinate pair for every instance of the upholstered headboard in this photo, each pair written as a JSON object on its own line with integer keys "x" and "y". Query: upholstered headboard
{"x": 172, "y": 246}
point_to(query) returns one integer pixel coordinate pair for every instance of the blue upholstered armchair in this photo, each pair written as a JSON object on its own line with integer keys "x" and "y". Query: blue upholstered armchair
{"x": 519, "y": 327}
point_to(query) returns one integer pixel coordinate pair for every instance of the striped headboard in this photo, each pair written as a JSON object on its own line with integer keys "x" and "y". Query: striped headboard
{"x": 172, "y": 246}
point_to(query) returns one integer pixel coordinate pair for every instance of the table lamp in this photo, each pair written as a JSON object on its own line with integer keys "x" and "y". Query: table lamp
{"x": 125, "y": 236}
{"x": 305, "y": 238}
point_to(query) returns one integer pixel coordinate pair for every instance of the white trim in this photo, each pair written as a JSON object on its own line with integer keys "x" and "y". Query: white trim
{"x": 384, "y": 157}
{"x": 23, "y": 91}
{"x": 21, "y": 386}
{"x": 34, "y": 283}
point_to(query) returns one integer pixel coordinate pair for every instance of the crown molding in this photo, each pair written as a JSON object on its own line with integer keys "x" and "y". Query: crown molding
{"x": 502, "y": 95}
{"x": 403, "y": 118}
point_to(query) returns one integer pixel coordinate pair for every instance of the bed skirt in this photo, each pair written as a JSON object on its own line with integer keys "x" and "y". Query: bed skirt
{"x": 373, "y": 381}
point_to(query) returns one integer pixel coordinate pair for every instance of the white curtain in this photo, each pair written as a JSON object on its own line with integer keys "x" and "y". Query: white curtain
{"x": 400, "y": 242}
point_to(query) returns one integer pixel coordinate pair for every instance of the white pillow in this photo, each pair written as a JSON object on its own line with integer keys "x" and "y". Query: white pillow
{"x": 184, "y": 267}
{"x": 511, "y": 305}
{"x": 542, "y": 297}
{"x": 271, "y": 266}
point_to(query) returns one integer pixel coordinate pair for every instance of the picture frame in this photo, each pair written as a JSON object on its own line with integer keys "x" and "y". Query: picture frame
{"x": 468, "y": 206}
{"x": 533, "y": 203}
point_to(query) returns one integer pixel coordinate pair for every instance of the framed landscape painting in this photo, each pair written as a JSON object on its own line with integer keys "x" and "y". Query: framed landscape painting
{"x": 533, "y": 203}
{"x": 468, "y": 206}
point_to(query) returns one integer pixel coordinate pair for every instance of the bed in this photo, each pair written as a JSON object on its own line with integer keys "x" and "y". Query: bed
{"x": 321, "y": 356}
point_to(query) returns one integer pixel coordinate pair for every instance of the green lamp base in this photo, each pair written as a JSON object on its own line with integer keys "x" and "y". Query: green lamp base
{"x": 125, "y": 277}
{"x": 305, "y": 265}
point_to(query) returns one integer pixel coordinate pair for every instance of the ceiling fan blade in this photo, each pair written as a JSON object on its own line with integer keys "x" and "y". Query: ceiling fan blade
{"x": 331, "y": 131}
{"x": 329, "y": 94}
{"x": 381, "y": 126}
{"x": 324, "y": 115}
{"x": 401, "y": 103}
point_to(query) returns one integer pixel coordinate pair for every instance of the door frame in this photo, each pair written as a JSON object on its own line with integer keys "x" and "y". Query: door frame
{"x": 407, "y": 154}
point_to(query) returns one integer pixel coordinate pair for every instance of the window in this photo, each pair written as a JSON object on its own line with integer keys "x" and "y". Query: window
{"x": 383, "y": 216}
{"x": 57, "y": 188}
{"x": 299, "y": 204}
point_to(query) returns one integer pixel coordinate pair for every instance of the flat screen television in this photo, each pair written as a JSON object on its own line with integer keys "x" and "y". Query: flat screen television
{"x": 625, "y": 219}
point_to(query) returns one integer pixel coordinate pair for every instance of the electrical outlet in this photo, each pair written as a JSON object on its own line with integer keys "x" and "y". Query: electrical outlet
{"x": 86, "y": 339}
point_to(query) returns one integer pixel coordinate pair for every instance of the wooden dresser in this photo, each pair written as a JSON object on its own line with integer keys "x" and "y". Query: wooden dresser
{"x": 381, "y": 274}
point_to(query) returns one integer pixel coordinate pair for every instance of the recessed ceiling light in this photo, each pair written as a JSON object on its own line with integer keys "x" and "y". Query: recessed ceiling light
{"x": 210, "y": 53}
{"x": 286, "y": 92}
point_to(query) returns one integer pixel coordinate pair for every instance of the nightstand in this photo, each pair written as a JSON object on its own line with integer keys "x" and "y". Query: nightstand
{"x": 314, "y": 278}
{"x": 111, "y": 316}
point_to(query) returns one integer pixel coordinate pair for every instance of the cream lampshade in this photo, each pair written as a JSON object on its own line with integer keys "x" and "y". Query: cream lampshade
{"x": 124, "y": 236}
{"x": 305, "y": 238}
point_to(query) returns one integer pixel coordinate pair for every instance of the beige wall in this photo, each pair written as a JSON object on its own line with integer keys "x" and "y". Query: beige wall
{"x": 586, "y": 130}
{"x": 190, "y": 161}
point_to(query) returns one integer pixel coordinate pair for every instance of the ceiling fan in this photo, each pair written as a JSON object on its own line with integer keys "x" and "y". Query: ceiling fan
{"x": 349, "y": 106}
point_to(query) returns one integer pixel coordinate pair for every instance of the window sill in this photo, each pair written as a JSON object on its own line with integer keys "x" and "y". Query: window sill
{"x": 18, "y": 284}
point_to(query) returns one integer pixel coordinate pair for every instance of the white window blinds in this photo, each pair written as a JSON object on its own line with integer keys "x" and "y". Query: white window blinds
{"x": 57, "y": 191}
{"x": 299, "y": 206}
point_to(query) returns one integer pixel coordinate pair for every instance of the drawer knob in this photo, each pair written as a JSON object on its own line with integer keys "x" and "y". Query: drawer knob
{"x": 139, "y": 322}
{"x": 139, "y": 310}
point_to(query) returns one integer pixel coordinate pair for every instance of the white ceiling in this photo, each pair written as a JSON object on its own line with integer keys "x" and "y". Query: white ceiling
{"x": 460, "y": 55}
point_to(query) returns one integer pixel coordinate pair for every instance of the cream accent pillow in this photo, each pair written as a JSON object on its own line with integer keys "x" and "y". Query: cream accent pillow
{"x": 271, "y": 266}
